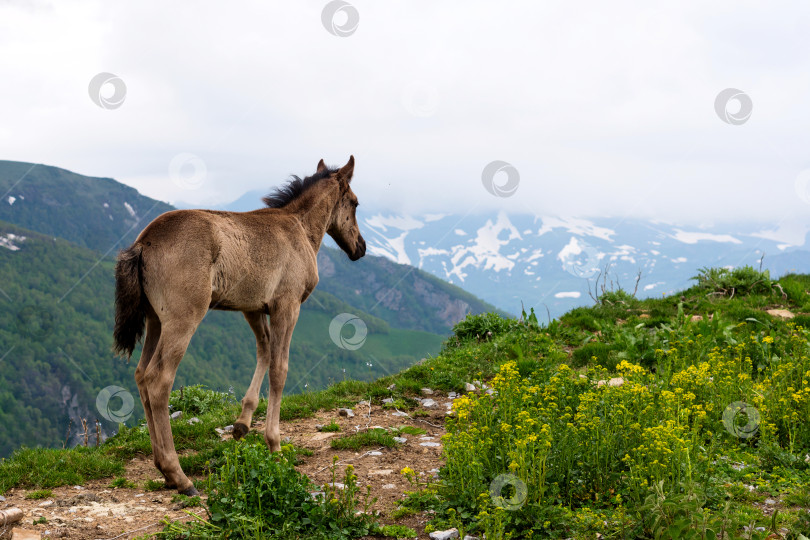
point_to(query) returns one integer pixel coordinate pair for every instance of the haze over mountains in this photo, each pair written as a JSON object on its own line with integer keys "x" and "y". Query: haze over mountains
{"x": 550, "y": 262}
{"x": 59, "y": 234}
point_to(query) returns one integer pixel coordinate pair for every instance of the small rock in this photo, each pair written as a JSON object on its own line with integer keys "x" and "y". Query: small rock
{"x": 426, "y": 438}
{"x": 175, "y": 415}
{"x": 615, "y": 381}
{"x": 46, "y": 504}
{"x": 428, "y": 403}
{"x": 430, "y": 444}
{"x": 194, "y": 420}
{"x": 770, "y": 502}
{"x": 363, "y": 403}
{"x": 392, "y": 387}
{"x": 390, "y": 486}
{"x": 400, "y": 440}
{"x": 427, "y": 391}
{"x": 388, "y": 400}
{"x": 452, "y": 395}
{"x": 337, "y": 485}
{"x": 490, "y": 391}
{"x": 2, "y": 499}
{"x": 375, "y": 453}
{"x": 319, "y": 427}
{"x": 348, "y": 413}
{"x": 469, "y": 387}
{"x": 781, "y": 313}
{"x": 399, "y": 413}
{"x": 444, "y": 535}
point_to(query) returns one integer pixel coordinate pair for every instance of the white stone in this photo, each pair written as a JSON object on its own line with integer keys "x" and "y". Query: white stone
{"x": 400, "y": 440}
{"x": 348, "y": 413}
{"x": 427, "y": 391}
{"x": 444, "y": 535}
{"x": 430, "y": 444}
{"x": 175, "y": 415}
{"x": 428, "y": 403}
{"x": 469, "y": 387}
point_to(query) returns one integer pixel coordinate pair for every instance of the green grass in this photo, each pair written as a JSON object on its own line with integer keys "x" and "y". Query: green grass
{"x": 332, "y": 427}
{"x": 47, "y": 468}
{"x": 153, "y": 485}
{"x": 39, "y": 494}
{"x": 408, "y": 430}
{"x": 122, "y": 482}
{"x": 372, "y": 437}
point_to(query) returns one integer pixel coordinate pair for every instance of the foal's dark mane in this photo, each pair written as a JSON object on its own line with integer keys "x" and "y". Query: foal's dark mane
{"x": 293, "y": 189}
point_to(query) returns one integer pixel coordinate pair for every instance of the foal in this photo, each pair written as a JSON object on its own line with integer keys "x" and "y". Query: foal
{"x": 262, "y": 263}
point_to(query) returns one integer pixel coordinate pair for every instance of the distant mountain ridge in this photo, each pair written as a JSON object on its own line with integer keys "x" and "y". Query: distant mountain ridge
{"x": 550, "y": 261}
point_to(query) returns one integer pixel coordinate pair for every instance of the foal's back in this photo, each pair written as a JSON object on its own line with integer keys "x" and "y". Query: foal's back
{"x": 245, "y": 261}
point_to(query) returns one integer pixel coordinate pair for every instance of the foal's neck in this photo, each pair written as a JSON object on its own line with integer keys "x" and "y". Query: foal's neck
{"x": 314, "y": 209}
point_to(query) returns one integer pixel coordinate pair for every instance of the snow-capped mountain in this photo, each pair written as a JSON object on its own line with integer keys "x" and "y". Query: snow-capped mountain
{"x": 551, "y": 261}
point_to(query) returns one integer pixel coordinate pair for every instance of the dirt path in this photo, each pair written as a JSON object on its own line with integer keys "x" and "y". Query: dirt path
{"x": 96, "y": 511}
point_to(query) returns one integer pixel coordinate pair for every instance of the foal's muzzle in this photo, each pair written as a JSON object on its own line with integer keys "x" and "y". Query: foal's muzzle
{"x": 359, "y": 249}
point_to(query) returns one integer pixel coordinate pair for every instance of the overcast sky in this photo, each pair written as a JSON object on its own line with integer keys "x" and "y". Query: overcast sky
{"x": 602, "y": 108}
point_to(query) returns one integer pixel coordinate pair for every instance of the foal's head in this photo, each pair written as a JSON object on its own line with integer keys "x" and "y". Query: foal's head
{"x": 343, "y": 226}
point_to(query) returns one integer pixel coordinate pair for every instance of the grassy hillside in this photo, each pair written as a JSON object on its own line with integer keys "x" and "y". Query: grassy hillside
{"x": 680, "y": 417}
{"x": 90, "y": 212}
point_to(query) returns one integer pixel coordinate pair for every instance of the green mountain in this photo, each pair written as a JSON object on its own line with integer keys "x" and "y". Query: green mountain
{"x": 57, "y": 247}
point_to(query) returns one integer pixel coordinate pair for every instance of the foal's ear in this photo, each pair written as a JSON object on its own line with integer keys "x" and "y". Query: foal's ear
{"x": 347, "y": 170}
{"x": 321, "y": 166}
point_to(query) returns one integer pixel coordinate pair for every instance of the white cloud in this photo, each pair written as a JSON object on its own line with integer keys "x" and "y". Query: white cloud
{"x": 615, "y": 116}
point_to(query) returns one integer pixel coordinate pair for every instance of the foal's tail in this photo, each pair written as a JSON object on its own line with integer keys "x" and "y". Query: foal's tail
{"x": 130, "y": 311}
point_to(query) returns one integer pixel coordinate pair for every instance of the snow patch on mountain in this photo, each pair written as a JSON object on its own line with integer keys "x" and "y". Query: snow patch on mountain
{"x": 130, "y": 209}
{"x": 403, "y": 223}
{"x": 577, "y": 226}
{"x": 788, "y": 234}
{"x": 391, "y": 248}
{"x": 695, "y": 237}
{"x": 8, "y": 241}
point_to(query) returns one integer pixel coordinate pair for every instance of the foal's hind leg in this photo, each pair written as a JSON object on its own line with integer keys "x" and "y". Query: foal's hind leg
{"x": 282, "y": 324}
{"x": 159, "y": 377}
{"x": 258, "y": 323}
{"x": 149, "y": 346}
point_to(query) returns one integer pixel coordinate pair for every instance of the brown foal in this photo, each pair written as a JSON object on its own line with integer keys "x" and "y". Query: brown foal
{"x": 262, "y": 263}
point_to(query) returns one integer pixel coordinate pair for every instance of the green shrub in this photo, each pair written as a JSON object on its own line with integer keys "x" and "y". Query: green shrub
{"x": 196, "y": 400}
{"x": 584, "y": 356}
{"x": 257, "y": 494}
{"x": 739, "y": 281}
{"x": 480, "y": 326}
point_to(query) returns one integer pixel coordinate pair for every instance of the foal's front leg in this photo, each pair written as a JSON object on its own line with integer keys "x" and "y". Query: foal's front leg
{"x": 282, "y": 324}
{"x": 258, "y": 323}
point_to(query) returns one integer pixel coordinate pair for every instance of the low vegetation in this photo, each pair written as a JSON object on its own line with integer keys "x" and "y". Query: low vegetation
{"x": 677, "y": 417}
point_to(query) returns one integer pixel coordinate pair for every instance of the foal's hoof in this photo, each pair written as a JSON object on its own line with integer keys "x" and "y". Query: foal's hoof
{"x": 190, "y": 491}
{"x": 240, "y": 430}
